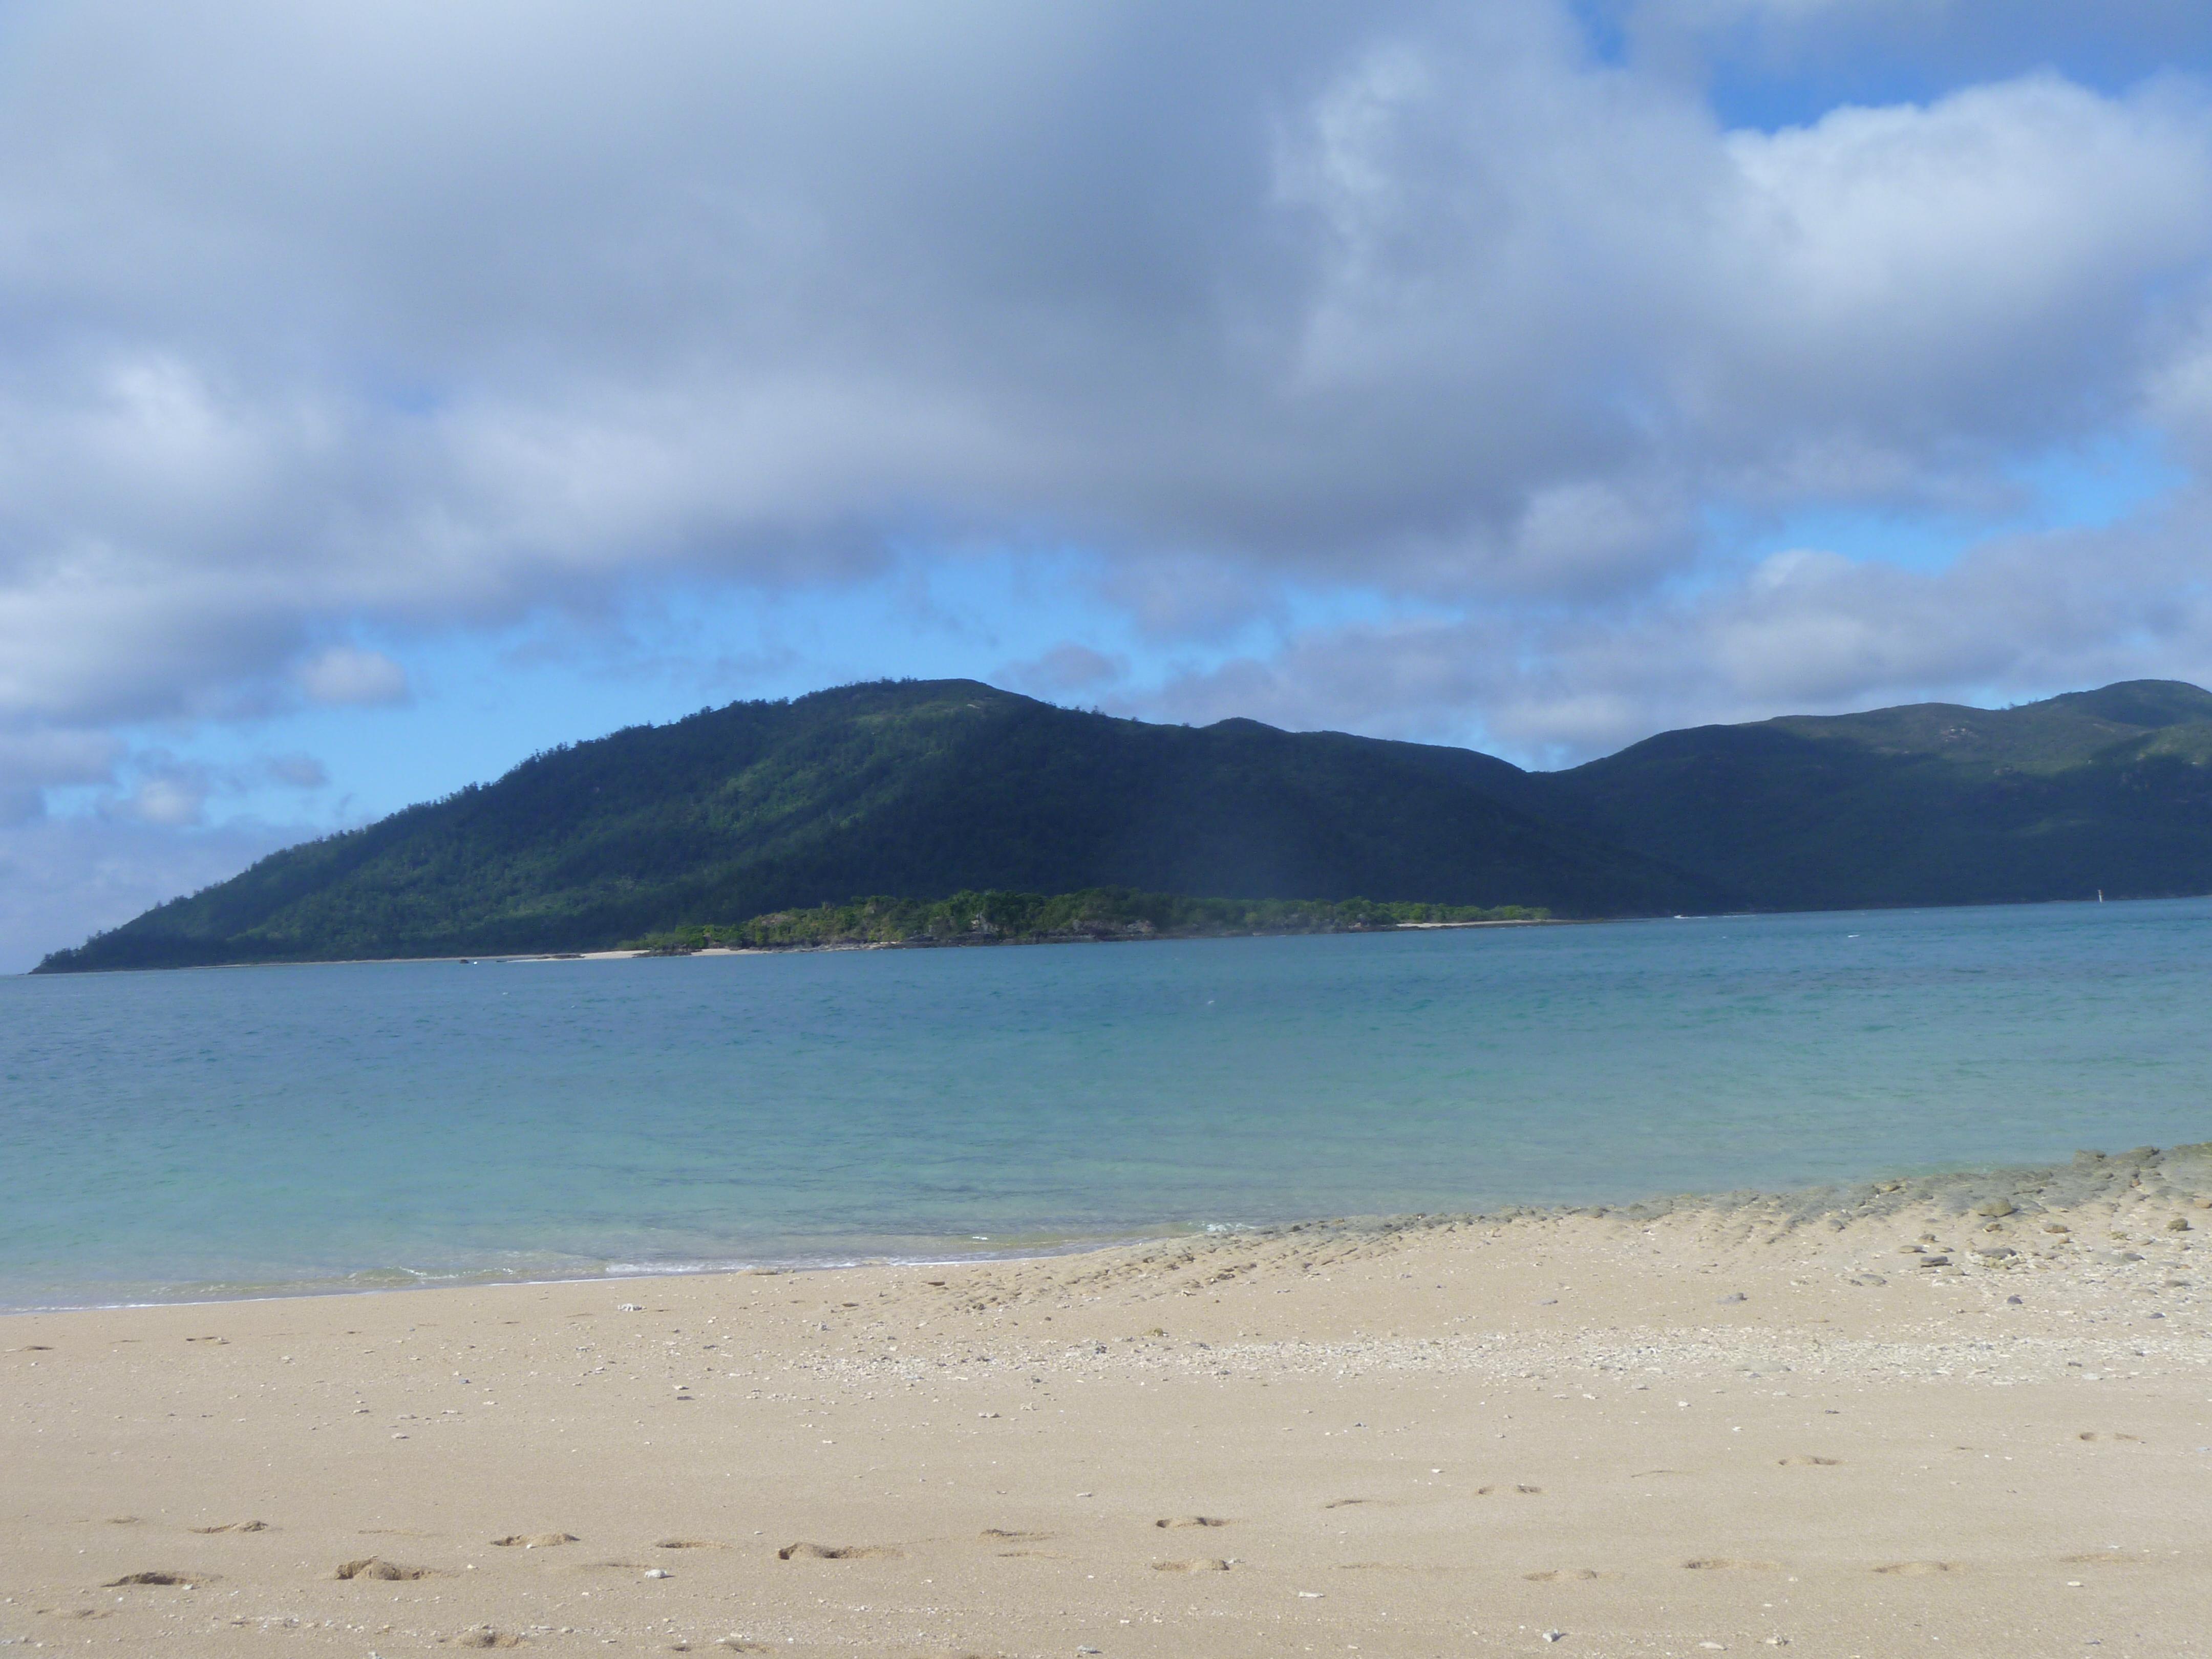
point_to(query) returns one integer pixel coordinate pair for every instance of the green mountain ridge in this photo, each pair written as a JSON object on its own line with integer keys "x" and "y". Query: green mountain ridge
{"x": 919, "y": 789}
{"x": 1925, "y": 804}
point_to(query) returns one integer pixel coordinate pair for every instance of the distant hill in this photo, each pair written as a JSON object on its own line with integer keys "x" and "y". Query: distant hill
{"x": 917, "y": 790}
{"x": 912, "y": 789}
{"x": 1928, "y": 804}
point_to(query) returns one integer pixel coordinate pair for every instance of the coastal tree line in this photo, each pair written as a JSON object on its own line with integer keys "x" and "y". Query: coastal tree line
{"x": 1095, "y": 913}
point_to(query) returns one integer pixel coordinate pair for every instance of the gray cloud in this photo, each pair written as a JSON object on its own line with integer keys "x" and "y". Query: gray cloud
{"x": 1067, "y": 671}
{"x": 296, "y": 771}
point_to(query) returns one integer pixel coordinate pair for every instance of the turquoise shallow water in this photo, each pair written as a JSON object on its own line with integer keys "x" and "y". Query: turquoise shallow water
{"x": 246, "y": 1130}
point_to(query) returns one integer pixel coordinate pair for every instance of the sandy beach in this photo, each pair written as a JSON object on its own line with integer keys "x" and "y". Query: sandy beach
{"x": 1968, "y": 1415}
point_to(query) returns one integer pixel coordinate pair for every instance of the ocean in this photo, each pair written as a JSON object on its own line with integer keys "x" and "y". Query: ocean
{"x": 264, "y": 1131}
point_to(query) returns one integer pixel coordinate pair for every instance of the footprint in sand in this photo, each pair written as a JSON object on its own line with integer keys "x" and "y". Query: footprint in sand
{"x": 486, "y": 1638}
{"x": 1558, "y": 1575}
{"x": 1726, "y": 1563}
{"x": 237, "y": 1525}
{"x": 689, "y": 1544}
{"x": 837, "y": 1553}
{"x": 534, "y": 1541}
{"x": 1807, "y": 1460}
{"x": 375, "y": 1566}
{"x": 1207, "y": 1564}
{"x": 2093, "y": 1434}
{"x": 1191, "y": 1520}
{"x": 1013, "y": 1537}
{"x": 740, "y": 1645}
{"x": 1346, "y": 1503}
{"x": 189, "y": 1580}
{"x": 1484, "y": 1492}
{"x": 1919, "y": 1569}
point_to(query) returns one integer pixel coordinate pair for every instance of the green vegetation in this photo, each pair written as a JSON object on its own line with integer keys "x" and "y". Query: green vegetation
{"x": 917, "y": 789}
{"x": 1931, "y": 804}
{"x": 1096, "y": 913}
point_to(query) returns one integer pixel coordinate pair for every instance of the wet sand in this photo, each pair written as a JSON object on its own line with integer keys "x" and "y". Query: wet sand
{"x": 1707, "y": 1425}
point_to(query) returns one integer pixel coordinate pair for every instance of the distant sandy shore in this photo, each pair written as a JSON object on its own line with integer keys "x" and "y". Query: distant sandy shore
{"x": 510, "y": 958}
{"x": 1719, "y": 1425}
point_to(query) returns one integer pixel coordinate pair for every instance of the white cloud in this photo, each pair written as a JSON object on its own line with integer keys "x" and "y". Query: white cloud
{"x": 409, "y": 318}
{"x": 1804, "y": 631}
{"x": 176, "y": 798}
{"x": 346, "y": 674}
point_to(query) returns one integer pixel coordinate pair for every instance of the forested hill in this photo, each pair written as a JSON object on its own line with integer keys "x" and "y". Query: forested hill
{"x": 918, "y": 790}
{"x": 913, "y": 789}
{"x": 1927, "y": 804}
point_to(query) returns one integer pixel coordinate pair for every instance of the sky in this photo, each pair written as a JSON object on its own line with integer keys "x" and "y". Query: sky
{"x": 388, "y": 392}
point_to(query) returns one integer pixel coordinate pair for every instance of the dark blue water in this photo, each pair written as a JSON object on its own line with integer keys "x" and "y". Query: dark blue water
{"x": 237, "y": 1131}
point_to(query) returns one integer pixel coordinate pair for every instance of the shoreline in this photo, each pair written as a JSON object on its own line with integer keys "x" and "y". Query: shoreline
{"x": 1966, "y": 1408}
{"x": 2090, "y": 1177}
{"x": 514, "y": 958}
{"x": 620, "y": 955}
